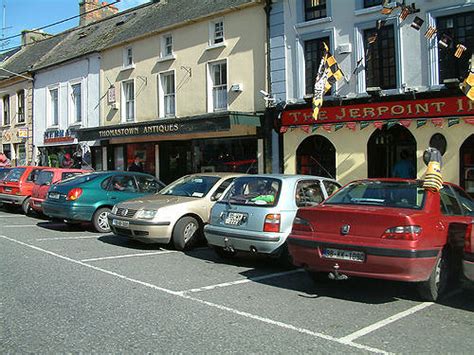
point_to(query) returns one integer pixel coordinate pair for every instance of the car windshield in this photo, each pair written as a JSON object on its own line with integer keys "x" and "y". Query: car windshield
{"x": 256, "y": 191}
{"x": 380, "y": 193}
{"x": 44, "y": 177}
{"x": 15, "y": 175}
{"x": 191, "y": 185}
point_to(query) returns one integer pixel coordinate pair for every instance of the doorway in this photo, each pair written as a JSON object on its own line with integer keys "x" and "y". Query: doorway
{"x": 175, "y": 160}
{"x": 316, "y": 155}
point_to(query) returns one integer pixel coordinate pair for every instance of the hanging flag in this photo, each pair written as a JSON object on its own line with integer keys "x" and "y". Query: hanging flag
{"x": 417, "y": 23}
{"x": 467, "y": 86}
{"x": 445, "y": 41}
{"x": 338, "y": 126}
{"x": 453, "y": 121}
{"x": 437, "y": 122}
{"x": 430, "y": 32}
{"x": 404, "y": 13}
{"x": 315, "y": 128}
{"x": 283, "y": 129}
{"x": 378, "y": 124}
{"x": 420, "y": 123}
{"x": 459, "y": 50}
{"x": 387, "y": 10}
{"x": 469, "y": 120}
{"x": 334, "y": 71}
{"x": 364, "y": 124}
{"x": 391, "y": 123}
{"x": 327, "y": 127}
{"x": 405, "y": 123}
{"x": 306, "y": 128}
{"x": 351, "y": 125}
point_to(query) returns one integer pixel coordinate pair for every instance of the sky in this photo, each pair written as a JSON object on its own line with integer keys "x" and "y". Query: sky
{"x": 20, "y": 15}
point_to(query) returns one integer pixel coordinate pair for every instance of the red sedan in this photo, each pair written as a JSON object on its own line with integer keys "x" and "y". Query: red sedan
{"x": 389, "y": 229}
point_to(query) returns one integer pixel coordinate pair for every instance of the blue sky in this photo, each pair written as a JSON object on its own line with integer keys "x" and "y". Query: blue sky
{"x": 30, "y": 14}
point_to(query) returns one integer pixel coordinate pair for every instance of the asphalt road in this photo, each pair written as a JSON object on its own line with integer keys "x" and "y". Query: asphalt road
{"x": 78, "y": 291}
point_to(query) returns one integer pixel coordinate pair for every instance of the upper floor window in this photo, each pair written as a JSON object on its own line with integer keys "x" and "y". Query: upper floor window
{"x": 167, "y": 46}
{"x": 313, "y": 51}
{"x": 217, "y": 32}
{"x": 20, "y": 97}
{"x": 370, "y": 3}
{"x": 314, "y": 9}
{"x": 6, "y": 110}
{"x": 76, "y": 97}
{"x": 53, "y": 107}
{"x": 128, "y": 57}
{"x": 218, "y": 77}
{"x": 167, "y": 95}
{"x": 128, "y": 100}
{"x": 380, "y": 62}
{"x": 460, "y": 28}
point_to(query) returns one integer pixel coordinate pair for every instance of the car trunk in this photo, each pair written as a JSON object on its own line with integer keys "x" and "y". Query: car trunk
{"x": 239, "y": 217}
{"x": 10, "y": 187}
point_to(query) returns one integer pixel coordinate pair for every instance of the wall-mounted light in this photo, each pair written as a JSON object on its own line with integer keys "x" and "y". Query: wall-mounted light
{"x": 451, "y": 83}
{"x": 236, "y": 87}
{"x": 374, "y": 91}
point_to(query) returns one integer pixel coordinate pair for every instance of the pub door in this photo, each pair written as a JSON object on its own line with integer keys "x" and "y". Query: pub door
{"x": 316, "y": 155}
{"x": 175, "y": 160}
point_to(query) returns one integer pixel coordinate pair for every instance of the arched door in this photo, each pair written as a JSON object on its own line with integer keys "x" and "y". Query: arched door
{"x": 388, "y": 147}
{"x": 316, "y": 155}
{"x": 466, "y": 172}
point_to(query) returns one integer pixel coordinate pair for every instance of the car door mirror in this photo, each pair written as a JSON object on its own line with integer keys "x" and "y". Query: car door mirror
{"x": 216, "y": 196}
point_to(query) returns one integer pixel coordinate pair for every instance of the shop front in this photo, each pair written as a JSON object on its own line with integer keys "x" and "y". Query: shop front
{"x": 16, "y": 145}
{"x": 170, "y": 149}
{"x": 371, "y": 139}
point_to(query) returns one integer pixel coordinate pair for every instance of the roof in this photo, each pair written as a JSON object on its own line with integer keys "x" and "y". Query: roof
{"x": 291, "y": 176}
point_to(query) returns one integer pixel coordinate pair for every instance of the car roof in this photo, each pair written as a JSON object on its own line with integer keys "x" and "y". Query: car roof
{"x": 219, "y": 174}
{"x": 292, "y": 177}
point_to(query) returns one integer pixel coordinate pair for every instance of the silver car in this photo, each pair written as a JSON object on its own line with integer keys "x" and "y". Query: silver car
{"x": 256, "y": 212}
{"x": 177, "y": 213}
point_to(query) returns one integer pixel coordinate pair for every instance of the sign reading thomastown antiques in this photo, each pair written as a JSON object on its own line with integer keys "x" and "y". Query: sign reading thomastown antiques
{"x": 429, "y": 108}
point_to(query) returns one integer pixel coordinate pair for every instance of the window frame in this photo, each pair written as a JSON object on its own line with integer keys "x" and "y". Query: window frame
{"x": 21, "y": 108}
{"x": 211, "y": 104}
{"x": 216, "y": 41}
{"x": 164, "y": 46}
{"x": 163, "y": 94}
{"x": 313, "y": 9}
{"x": 125, "y": 101}
{"x": 6, "y": 116}
{"x": 305, "y": 71}
{"x": 49, "y": 106}
{"x": 126, "y": 57}
{"x": 72, "y": 112}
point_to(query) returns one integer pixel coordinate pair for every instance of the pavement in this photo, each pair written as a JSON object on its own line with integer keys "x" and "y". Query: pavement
{"x": 77, "y": 291}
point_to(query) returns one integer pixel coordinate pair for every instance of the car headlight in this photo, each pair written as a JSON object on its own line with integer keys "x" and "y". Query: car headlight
{"x": 114, "y": 209}
{"x": 146, "y": 214}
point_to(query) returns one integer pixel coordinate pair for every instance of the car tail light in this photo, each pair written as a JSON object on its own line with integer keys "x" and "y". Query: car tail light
{"x": 302, "y": 225}
{"x": 74, "y": 194}
{"x": 272, "y": 223}
{"x": 402, "y": 233}
{"x": 468, "y": 238}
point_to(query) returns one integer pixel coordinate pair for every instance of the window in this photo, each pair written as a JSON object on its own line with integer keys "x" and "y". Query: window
{"x": 220, "y": 190}
{"x": 217, "y": 32}
{"x": 20, "y": 154}
{"x": 128, "y": 57}
{"x": 370, "y": 3}
{"x": 6, "y": 110}
{"x": 314, "y": 9}
{"x": 53, "y": 107}
{"x": 313, "y": 51}
{"x": 254, "y": 191}
{"x": 167, "y": 46}
{"x": 449, "y": 203}
{"x": 218, "y": 72}
{"x": 123, "y": 183}
{"x": 167, "y": 93}
{"x": 20, "y": 96}
{"x": 309, "y": 193}
{"x": 148, "y": 184}
{"x": 467, "y": 204}
{"x": 76, "y": 103}
{"x": 460, "y": 28}
{"x": 128, "y": 99}
{"x": 380, "y": 62}
{"x": 331, "y": 187}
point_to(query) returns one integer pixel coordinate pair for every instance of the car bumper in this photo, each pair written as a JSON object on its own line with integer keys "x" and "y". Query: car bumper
{"x": 141, "y": 230}
{"x": 12, "y": 199}
{"x": 243, "y": 240}
{"x": 468, "y": 266}
{"x": 379, "y": 263}
{"x": 36, "y": 204}
{"x": 67, "y": 211}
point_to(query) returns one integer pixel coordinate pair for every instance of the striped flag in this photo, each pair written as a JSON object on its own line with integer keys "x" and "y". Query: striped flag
{"x": 467, "y": 86}
{"x": 404, "y": 13}
{"x": 430, "y": 32}
{"x": 459, "y": 50}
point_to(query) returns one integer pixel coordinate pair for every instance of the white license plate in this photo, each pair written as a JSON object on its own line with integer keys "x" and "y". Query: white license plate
{"x": 330, "y": 253}
{"x": 7, "y": 189}
{"x": 234, "y": 218}
{"x": 54, "y": 196}
{"x": 119, "y": 223}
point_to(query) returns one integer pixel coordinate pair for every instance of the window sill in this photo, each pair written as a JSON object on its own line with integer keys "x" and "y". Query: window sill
{"x": 372, "y": 9}
{"x": 130, "y": 67}
{"x": 52, "y": 128}
{"x": 75, "y": 125}
{"x": 215, "y": 46}
{"x": 166, "y": 59}
{"x": 314, "y": 22}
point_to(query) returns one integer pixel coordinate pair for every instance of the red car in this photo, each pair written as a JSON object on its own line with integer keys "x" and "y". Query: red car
{"x": 45, "y": 179}
{"x": 389, "y": 229}
{"x": 468, "y": 256}
{"x": 16, "y": 187}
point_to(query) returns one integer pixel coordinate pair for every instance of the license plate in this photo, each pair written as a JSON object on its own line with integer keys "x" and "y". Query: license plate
{"x": 119, "y": 223}
{"x": 54, "y": 196}
{"x": 7, "y": 189}
{"x": 234, "y": 218}
{"x": 330, "y": 253}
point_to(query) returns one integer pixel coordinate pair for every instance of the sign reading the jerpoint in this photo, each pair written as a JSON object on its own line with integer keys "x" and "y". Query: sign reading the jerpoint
{"x": 441, "y": 107}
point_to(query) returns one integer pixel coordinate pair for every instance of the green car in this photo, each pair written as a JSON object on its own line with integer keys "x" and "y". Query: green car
{"x": 90, "y": 197}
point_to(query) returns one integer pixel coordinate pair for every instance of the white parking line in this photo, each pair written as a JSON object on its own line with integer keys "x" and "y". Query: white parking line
{"x": 20, "y": 225}
{"x": 129, "y": 255}
{"x": 68, "y": 238}
{"x": 210, "y": 304}
{"x": 238, "y": 282}
{"x": 9, "y": 216}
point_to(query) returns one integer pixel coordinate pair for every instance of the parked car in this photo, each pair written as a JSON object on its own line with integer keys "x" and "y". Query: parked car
{"x": 257, "y": 212}
{"x": 389, "y": 229}
{"x": 468, "y": 255}
{"x": 177, "y": 213}
{"x": 90, "y": 197}
{"x": 17, "y": 186}
{"x": 46, "y": 178}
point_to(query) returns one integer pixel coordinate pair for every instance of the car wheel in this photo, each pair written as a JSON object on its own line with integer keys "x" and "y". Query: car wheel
{"x": 318, "y": 277}
{"x": 100, "y": 220}
{"x": 431, "y": 289}
{"x": 185, "y": 233}
{"x": 25, "y": 206}
{"x": 224, "y": 253}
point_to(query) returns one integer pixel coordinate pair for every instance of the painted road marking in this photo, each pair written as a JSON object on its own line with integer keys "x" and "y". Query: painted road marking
{"x": 20, "y": 225}
{"x": 68, "y": 238}
{"x": 243, "y": 281}
{"x": 210, "y": 304}
{"x": 129, "y": 255}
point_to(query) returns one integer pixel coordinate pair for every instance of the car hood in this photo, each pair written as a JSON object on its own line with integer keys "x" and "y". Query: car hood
{"x": 157, "y": 201}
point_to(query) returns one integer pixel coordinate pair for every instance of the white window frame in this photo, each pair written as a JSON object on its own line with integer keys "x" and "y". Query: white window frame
{"x": 49, "y": 106}
{"x": 18, "y": 105}
{"x": 72, "y": 105}
{"x": 126, "y": 64}
{"x": 124, "y": 101}
{"x": 164, "y": 47}
{"x": 161, "y": 92}
{"x": 212, "y": 33}
{"x": 210, "y": 86}
{"x": 8, "y": 111}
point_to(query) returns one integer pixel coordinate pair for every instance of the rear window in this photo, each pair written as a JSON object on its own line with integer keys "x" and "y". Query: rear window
{"x": 45, "y": 177}
{"x": 256, "y": 191}
{"x": 3, "y": 173}
{"x": 15, "y": 175}
{"x": 68, "y": 175}
{"x": 380, "y": 193}
{"x": 80, "y": 179}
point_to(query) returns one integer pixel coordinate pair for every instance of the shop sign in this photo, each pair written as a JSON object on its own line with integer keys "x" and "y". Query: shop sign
{"x": 22, "y": 132}
{"x": 7, "y": 136}
{"x": 59, "y": 136}
{"x": 111, "y": 95}
{"x": 428, "y": 108}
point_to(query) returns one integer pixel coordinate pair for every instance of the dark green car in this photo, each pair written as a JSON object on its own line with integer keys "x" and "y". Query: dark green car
{"x": 90, "y": 197}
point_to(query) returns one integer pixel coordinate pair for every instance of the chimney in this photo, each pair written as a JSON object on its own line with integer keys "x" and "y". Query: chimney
{"x": 91, "y": 5}
{"x": 30, "y": 36}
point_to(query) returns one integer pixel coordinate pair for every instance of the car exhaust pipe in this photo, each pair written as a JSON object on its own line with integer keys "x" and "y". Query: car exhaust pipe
{"x": 227, "y": 246}
{"x": 253, "y": 250}
{"x": 336, "y": 275}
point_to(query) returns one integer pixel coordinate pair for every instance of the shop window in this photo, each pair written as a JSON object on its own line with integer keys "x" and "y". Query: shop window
{"x": 20, "y": 95}
{"x": 167, "y": 95}
{"x": 314, "y": 9}
{"x": 370, "y": 3}
{"x": 6, "y": 110}
{"x": 216, "y": 30}
{"x": 20, "y": 154}
{"x": 7, "y": 151}
{"x": 460, "y": 29}
{"x": 380, "y": 61}
{"x": 76, "y": 98}
{"x": 97, "y": 159}
{"x": 146, "y": 153}
{"x": 128, "y": 101}
{"x": 316, "y": 156}
{"x": 313, "y": 50}
{"x": 119, "y": 162}
{"x": 53, "y": 107}
{"x": 218, "y": 85}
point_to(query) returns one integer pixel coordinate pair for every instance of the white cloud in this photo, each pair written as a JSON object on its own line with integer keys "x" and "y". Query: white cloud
{"x": 127, "y": 4}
